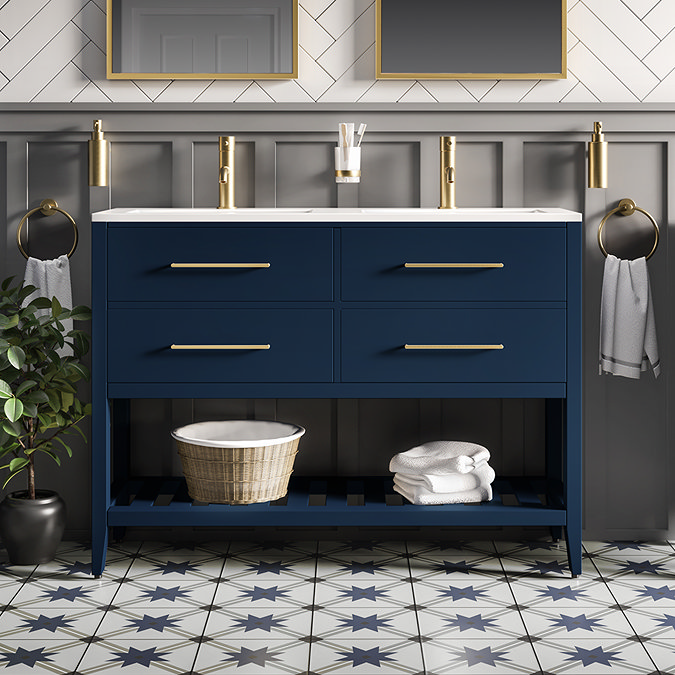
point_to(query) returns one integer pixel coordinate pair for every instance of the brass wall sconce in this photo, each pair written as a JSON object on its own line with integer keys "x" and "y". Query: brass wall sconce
{"x": 98, "y": 157}
{"x": 597, "y": 158}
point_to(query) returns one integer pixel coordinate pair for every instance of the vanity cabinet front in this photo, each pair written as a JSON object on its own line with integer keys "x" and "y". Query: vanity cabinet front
{"x": 440, "y": 309}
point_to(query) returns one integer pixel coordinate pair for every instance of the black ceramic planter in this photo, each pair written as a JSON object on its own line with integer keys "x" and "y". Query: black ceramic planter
{"x": 31, "y": 529}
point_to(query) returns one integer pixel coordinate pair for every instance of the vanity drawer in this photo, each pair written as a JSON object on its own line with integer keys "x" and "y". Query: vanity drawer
{"x": 300, "y": 263}
{"x": 373, "y": 345}
{"x": 300, "y": 345}
{"x": 533, "y": 259}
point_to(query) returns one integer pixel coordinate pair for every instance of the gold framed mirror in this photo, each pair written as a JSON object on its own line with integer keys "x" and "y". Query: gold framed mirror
{"x": 471, "y": 39}
{"x": 202, "y": 39}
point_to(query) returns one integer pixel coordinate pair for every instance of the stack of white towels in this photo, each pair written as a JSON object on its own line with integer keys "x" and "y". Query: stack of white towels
{"x": 443, "y": 472}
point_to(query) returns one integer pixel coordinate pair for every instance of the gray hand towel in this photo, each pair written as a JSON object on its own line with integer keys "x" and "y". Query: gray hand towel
{"x": 627, "y": 325}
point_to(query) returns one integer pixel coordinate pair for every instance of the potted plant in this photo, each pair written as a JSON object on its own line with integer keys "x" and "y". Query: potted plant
{"x": 40, "y": 366}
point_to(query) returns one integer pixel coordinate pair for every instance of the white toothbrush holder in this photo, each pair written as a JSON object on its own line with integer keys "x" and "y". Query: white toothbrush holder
{"x": 347, "y": 164}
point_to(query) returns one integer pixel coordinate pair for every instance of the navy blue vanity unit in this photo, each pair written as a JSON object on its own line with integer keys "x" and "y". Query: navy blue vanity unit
{"x": 336, "y": 303}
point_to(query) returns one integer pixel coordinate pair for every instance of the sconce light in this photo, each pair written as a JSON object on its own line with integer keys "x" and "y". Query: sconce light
{"x": 597, "y": 158}
{"x": 98, "y": 157}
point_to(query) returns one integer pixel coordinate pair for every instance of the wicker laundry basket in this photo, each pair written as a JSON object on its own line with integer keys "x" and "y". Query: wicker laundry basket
{"x": 237, "y": 461}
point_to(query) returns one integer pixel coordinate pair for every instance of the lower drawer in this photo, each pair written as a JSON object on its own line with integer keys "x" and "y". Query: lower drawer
{"x": 374, "y": 345}
{"x": 300, "y": 345}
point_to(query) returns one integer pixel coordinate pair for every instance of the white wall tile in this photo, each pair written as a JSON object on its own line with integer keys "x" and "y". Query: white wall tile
{"x": 478, "y": 88}
{"x": 640, "y": 7}
{"x": 580, "y": 94}
{"x": 385, "y": 91}
{"x": 550, "y": 91}
{"x": 662, "y": 59}
{"x": 65, "y": 87}
{"x": 152, "y": 88}
{"x": 285, "y": 91}
{"x": 417, "y": 94}
{"x": 614, "y": 55}
{"x": 15, "y": 14}
{"x": 182, "y": 91}
{"x": 91, "y": 94}
{"x": 313, "y": 38}
{"x": 664, "y": 92}
{"x": 223, "y": 91}
{"x": 342, "y": 14}
{"x": 596, "y": 77}
{"x": 315, "y": 7}
{"x": 355, "y": 82}
{"x": 91, "y": 21}
{"x": 661, "y": 19}
{"x": 448, "y": 91}
{"x": 254, "y": 94}
{"x": 509, "y": 90}
{"x": 312, "y": 77}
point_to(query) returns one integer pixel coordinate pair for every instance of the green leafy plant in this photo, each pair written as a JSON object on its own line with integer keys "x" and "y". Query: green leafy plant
{"x": 39, "y": 402}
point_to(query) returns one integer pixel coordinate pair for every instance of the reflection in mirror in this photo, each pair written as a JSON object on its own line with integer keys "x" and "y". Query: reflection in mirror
{"x": 202, "y": 39}
{"x": 471, "y": 39}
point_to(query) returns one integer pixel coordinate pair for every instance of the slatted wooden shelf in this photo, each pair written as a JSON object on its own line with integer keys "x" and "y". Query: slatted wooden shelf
{"x": 333, "y": 501}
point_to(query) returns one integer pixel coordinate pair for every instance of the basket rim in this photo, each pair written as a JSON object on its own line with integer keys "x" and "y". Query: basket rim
{"x": 186, "y": 434}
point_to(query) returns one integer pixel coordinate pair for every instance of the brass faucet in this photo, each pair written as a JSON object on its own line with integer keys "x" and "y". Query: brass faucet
{"x": 226, "y": 172}
{"x": 447, "y": 172}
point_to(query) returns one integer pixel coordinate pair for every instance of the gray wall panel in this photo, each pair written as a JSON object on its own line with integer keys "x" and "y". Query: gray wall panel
{"x": 141, "y": 174}
{"x": 390, "y": 175}
{"x": 479, "y": 174}
{"x": 305, "y": 174}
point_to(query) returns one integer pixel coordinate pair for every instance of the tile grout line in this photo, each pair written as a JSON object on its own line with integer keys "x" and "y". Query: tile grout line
{"x": 211, "y": 604}
{"x": 515, "y": 602}
{"x": 620, "y": 607}
{"x": 417, "y": 618}
{"x": 131, "y": 562}
{"x": 311, "y": 622}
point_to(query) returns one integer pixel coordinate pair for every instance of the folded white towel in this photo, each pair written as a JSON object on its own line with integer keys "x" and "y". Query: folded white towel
{"x": 627, "y": 325}
{"x": 481, "y": 476}
{"x": 440, "y": 458}
{"x": 421, "y": 496}
{"x": 52, "y": 279}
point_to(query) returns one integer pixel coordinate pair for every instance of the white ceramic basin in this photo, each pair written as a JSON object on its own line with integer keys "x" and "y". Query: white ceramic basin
{"x": 310, "y": 214}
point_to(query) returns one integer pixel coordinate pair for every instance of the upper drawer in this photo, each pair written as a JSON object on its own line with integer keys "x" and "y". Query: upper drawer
{"x": 533, "y": 259}
{"x": 140, "y": 258}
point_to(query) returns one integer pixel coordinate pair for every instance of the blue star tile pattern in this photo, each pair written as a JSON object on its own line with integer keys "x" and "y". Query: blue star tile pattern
{"x": 366, "y": 593}
{"x": 590, "y": 657}
{"x": 139, "y": 657}
{"x": 260, "y": 593}
{"x": 635, "y": 567}
{"x": 247, "y": 656}
{"x": 263, "y": 567}
{"x": 562, "y": 593}
{"x": 76, "y": 568}
{"x": 372, "y": 656}
{"x": 156, "y": 623}
{"x": 662, "y": 593}
{"x": 49, "y": 623}
{"x": 483, "y": 656}
{"x": 626, "y": 545}
{"x": 476, "y": 622}
{"x": 668, "y": 621}
{"x": 450, "y": 567}
{"x": 264, "y": 623}
{"x": 356, "y": 567}
{"x": 170, "y": 567}
{"x": 26, "y": 657}
{"x": 580, "y": 622}
{"x": 161, "y": 593}
{"x": 63, "y": 593}
{"x": 357, "y": 623}
{"x": 547, "y": 567}
{"x": 466, "y": 593}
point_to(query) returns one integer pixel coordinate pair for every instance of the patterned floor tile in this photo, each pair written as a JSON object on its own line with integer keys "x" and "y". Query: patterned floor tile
{"x": 661, "y": 567}
{"x": 644, "y": 593}
{"x": 580, "y": 622}
{"x": 138, "y": 656}
{"x": 472, "y": 622}
{"x": 363, "y": 592}
{"x": 592, "y": 655}
{"x": 29, "y": 655}
{"x": 451, "y": 547}
{"x": 563, "y": 592}
{"x": 125, "y": 624}
{"x": 479, "y": 656}
{"x": 437, "y": 567}
{"x": 362, "y": 547}
{"x": 234, "y": 623}
{"x": 653, "y": 622}
{"x": 265, "y": 593}
{"x": 624, "y": 549}
{"x": 366, "y": 656}
{"x": 251, "y": 657}
{"x": 662, "y": 653}
{"x": 180, "y": 594}
{"x": 344, "y": 624}
{"x": 175, "y": 568}
{"x": 270, "y": 567}
{"x": 58, "y": 593}
{"x": 469, "y": 592}
{"x": 272, "y": 547}
{"x": 526, "y": 549}
{"x": 48, "y": 623}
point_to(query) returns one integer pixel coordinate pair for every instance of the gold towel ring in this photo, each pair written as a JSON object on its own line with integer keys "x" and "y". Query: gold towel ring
{"x": 48, "y": 207}
{"x": 627, "y": 207}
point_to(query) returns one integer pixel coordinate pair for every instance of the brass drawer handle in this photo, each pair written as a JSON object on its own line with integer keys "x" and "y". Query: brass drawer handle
{"x": 454, "y": 265}
{"x": 220, "y": 346}
{"x": 454, "y": 346}
{"x": 242, "y": 265}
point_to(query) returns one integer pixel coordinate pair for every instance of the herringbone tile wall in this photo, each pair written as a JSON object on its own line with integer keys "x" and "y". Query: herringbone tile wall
{"x": 618, "y": 51}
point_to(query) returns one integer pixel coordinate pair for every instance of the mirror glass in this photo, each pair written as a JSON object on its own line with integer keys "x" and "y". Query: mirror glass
{"x": 471, "y": 39}
{"x": 202, "y": 39}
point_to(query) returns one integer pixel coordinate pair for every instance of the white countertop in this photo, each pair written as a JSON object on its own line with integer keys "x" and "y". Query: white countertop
{"x": 187, "y": 215}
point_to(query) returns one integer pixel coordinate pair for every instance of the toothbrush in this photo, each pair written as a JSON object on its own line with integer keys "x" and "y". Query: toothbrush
{"x": 343, "y": 139}
{"x": 362, "y": 130}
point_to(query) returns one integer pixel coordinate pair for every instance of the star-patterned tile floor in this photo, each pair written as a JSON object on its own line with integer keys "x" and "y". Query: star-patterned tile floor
{"x": 362, "y": 607}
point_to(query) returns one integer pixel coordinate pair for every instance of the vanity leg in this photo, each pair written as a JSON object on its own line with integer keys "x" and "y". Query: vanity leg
{"x": 554, "y": 449}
